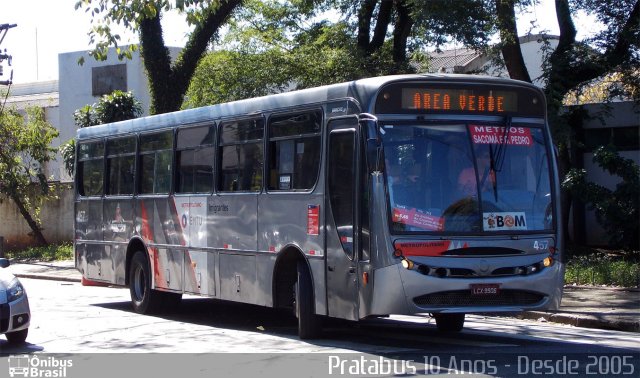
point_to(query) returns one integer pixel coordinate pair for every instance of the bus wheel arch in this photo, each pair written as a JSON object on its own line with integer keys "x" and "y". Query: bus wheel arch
{"x": 285, "y": 276}
{"x": 144, "y": 299}
{"x": 309, "y": 323}
{"x": 134, "y": 246}
{"x": 293, "y": 289}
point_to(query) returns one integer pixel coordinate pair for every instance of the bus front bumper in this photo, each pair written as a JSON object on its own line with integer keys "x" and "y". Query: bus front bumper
{"x": 417, "y": 293}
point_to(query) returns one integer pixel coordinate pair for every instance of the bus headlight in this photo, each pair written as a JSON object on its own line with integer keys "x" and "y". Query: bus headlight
{"x": 15, "y": 291}
{"x": 547, "y": 262}
{"x": 407, "y": 264}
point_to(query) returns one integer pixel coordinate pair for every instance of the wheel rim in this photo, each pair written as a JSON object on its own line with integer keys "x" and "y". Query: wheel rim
{"x": 139, "y": 284}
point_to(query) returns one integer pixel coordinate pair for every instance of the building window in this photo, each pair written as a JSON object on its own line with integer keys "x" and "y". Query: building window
{"x": 107, "y": 79}
{"x": 622, "y": 138}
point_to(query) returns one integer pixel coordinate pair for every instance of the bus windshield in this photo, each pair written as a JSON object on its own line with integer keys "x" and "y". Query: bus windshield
{"x": 467, "y": 178}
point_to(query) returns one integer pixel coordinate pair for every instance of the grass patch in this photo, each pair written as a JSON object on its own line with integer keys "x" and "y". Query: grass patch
{"x": 51, "y": 252}
{"x": 603, "y": 268}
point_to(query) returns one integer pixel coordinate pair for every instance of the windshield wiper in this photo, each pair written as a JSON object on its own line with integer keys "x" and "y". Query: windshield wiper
{"x": 497, "y": 157}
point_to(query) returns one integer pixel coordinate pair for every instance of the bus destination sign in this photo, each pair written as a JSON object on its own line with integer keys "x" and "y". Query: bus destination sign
{"x": 459, "y": 100}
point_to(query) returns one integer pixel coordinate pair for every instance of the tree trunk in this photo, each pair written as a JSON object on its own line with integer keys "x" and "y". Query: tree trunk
{"x": 168, "y": 84}
{"x": 401, "y": 31}
{"x": 165, "y": 97}
{"x": 382, "y": 24}
{"x": 365, "y": 14}
{"x": 511, "y": 52}
{"x": 35, "y": 227}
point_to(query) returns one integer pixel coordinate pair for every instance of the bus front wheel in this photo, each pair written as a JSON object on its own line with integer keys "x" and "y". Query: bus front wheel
{"x": 309, "y": 324}
{"x": 449, "y": 322}
{"x": 143, "y": 299}
{"x": 17, "y": 337}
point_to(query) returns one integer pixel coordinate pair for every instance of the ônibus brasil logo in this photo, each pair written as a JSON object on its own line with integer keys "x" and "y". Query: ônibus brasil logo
{"x": 36, "y": 366}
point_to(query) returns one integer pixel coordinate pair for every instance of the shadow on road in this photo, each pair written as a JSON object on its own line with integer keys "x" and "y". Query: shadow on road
{"x": 382, "y": 332}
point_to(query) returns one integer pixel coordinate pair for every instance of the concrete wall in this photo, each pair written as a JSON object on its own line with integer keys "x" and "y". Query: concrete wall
{"x": 56, "y": 217}
{"x": 75, "y": 83}
{"x": 620, "y": 114}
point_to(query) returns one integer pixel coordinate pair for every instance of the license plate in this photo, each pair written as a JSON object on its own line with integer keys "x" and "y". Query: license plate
{"x": 485, "y": 289}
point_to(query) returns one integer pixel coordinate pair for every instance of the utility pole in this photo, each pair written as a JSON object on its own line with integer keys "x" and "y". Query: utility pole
{"x": 4, "y": 28}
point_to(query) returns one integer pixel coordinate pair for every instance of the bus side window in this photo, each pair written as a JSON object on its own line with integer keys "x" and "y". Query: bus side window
{"x": 121, "y": 165}
{"x": 241, "y": 156}
{"x": 90, "y": 170}
{"x": 155, "y": 162}
{"x": 194, "y": 160}
{"x": 294, "y": 150}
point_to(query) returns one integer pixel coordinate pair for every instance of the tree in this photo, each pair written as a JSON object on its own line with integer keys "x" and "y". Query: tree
{"x": 25, "y": 148}
{"x": 224, "y": 76}
{"x": 378, "y": 36}
{"x": 168, "y": 81}
{"x": 252, "y": 71}
{"x": 113, "y": 107}
{"x": 576, "y": 64}
{"x": 117, "y": 106}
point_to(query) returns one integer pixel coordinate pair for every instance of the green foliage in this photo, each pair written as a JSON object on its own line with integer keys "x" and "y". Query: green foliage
{"x": 117, "y": 106}
{"x": 470, "y": 22}
{"x": 113, "y": 107}
{"x": 68, "y": 153}
{"x": 224, "y": 76}
{"x": 127, "y": 14}
{"x": 46, "y": 253}
{"x": 85, "y": 116}
{"x": 616, "y": 210}
{"x": 602, "y": 269}
{"x": 25, "y": 148}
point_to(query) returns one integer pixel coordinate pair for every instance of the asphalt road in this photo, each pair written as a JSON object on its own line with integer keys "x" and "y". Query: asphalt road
{"x": 70, "y": 318}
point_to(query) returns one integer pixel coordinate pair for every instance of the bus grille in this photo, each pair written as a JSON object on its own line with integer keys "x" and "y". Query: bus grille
{"x": 463, "y": 298}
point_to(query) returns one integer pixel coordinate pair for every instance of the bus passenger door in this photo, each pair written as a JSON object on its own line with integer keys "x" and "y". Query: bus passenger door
{"x": 342, "y": 276}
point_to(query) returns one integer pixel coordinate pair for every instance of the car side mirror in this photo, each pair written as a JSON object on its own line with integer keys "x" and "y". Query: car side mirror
{"x": 4, "y": 263}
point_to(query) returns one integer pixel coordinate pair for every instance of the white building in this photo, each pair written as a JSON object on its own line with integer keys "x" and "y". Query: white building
{"x": 78, "y": 86}
{"x": 535, "y": 48}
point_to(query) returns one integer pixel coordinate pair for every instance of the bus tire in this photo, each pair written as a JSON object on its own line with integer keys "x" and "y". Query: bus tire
{"x": 309, "y": 325}
{"x": 143, "y": 299}
{"x": 449, "y": 322}
{"x": 17, "y": 337}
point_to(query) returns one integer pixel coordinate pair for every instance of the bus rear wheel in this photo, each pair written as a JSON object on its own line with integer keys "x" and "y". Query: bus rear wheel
{"x": 309, "y": 324}
{"x": 449, "y": 322}
{"x": 143, "y": 299}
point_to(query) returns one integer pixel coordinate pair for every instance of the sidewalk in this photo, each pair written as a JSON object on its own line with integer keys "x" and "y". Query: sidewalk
{"x": 582, "y": 306}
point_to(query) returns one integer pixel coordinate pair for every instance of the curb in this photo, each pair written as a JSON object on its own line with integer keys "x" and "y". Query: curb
{"x": 584, "y": 321}
{"x": 611, "y": 288}
{"x": 46, "y": 277}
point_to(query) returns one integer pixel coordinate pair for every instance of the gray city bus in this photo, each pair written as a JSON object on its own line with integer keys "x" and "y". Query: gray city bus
{"x": 416, "y": 194}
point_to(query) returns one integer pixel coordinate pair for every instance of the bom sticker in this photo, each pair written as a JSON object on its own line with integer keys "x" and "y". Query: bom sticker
{"x": 504, "y": 221}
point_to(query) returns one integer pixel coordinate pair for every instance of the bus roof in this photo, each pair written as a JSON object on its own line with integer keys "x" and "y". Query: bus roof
{"x": 362, "y": 90}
